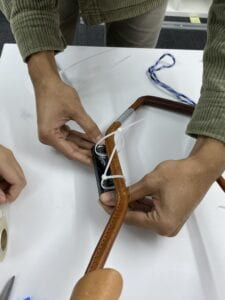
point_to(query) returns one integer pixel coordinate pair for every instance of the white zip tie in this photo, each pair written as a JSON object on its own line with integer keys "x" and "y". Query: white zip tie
{"x": 104, "y": 176}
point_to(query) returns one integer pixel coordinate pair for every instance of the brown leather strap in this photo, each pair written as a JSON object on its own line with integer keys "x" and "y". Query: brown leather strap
{"x": 165, "y": 104}
{"x": 113, "y": 226}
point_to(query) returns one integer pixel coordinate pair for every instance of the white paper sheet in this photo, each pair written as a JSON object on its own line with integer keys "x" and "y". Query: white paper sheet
{"x": 57, "y": 221}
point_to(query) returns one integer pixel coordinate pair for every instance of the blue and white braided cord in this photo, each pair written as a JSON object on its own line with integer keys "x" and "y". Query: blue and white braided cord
{"x": 157, "y": 67}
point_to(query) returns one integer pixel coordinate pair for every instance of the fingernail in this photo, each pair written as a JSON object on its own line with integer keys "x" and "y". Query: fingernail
{"x": 107, "y": 199}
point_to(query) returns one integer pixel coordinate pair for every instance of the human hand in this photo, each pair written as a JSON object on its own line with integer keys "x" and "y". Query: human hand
{"x": 12, "y": 179}
{"x": 164, "y": 199}
{"x": 57, "y": 103}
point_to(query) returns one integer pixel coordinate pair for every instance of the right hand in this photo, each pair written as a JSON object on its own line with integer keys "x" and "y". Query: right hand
{"x": 57, "y": 103}
{"x": 12, "y": 179}
{"x": 175, "y": 188}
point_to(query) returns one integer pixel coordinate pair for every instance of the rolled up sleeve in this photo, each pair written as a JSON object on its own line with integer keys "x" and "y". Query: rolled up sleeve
{"x": 209, "y": 115}
{"x": 35, "y": 25}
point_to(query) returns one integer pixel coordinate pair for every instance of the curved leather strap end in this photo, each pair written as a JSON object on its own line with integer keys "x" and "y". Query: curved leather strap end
{"x": 101, "y": 284}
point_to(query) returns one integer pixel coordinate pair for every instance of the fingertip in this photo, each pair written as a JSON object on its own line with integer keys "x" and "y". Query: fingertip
{"x": 14, "y": 191}
{"x": 2, "y": 196}
{"x": 3, "y": 199}
{"x": 108, "y": 198}
{"x": 82, "y": 159}
{"x": 90, "y": 127}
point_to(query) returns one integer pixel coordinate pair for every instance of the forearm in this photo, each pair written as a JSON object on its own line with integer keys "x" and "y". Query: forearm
{"x": 208, "y": 118}
{"x": 35, "y": 25}
{"x": 56, "y": 104}
{"x": 42, "y": 69}
{"x": 210, "y": 157}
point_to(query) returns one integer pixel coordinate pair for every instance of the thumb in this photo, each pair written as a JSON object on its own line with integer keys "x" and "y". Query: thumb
{"x": 88, "y": 125}
{"x": 148, "y": 185}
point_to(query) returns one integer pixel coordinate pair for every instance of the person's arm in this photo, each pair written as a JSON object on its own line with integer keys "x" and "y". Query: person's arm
{"x": 12, "y": 179}
{"x": 209, "y": 115}
{"x": 57, "y": 103}
{"x": 177, "y": 187}
{"x": 35, "y": 25}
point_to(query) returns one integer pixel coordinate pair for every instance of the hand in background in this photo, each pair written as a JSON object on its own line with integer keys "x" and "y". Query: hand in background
{"x": 57, "y": 103}
{"x": 12, "y": 179}
{"x": 164, "y": 199}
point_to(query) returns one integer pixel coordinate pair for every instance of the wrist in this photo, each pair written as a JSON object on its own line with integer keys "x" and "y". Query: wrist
{"x": 209, "y": 154}
{"x": 43, "y": 70}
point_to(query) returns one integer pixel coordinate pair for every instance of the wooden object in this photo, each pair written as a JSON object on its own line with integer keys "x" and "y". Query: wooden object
{"x": 115, "y": 222}
{"x": 102, "y": 284}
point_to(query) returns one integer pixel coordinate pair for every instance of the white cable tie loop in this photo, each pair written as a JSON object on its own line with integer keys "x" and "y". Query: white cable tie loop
{"x": 132, "y": 124}
{"x": 102, "y": 140}
{"x": 105, "y": 177}
{"x": 119, "y": 130}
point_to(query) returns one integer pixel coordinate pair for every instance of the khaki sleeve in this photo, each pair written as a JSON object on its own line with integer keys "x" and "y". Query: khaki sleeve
{"x": 209, "y": 115}
{"x": 35, "y": 25}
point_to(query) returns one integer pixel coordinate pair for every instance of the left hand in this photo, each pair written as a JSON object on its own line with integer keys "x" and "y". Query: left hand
{"x": 175, "y": 188}
{"x": 57, "y": 103}
{"x": 12, "y": 179}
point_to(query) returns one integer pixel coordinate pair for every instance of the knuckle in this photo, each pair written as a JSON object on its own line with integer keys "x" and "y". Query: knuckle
{"x": 7, "y": 157}
{"x": 21, "y": 181}
{"x": 168, "y": 228}
{"x": 165, "y": 166}
{"x": 162, "y": 166}
{"x": 43, "y": 136}
{"x": 151, "y": 181}
{"x": 6, "y": 153}
{"x": 146, "y": 179}
{"x": 92, "y": 130}
{"x": 172, "y": 234}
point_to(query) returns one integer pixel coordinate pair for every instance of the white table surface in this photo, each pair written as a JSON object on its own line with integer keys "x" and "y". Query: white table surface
{"x": 56, "y": 222}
